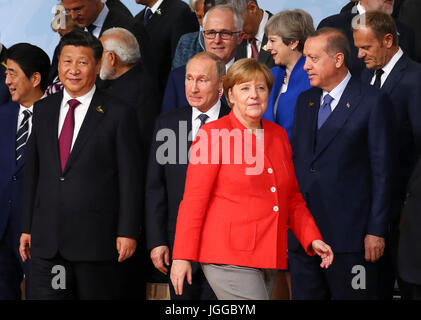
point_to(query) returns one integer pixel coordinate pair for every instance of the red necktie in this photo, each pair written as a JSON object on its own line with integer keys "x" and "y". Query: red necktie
{"x": 254, "y": 50}
{"x": 66, "y": 134}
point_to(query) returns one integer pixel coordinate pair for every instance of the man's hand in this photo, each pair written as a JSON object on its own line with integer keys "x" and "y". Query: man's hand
{"x": 125, "y": 247}
{"x": 25, "y": 246}
{"x": 324, "y": 251}
{"x": 179, "y": 270}
{"x": 374, "y": 247}
{"x": 159, "y": 256}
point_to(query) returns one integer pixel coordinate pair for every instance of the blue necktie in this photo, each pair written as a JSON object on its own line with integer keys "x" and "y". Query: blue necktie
{"x": 324, "y": 111}
{"x": 147, "y": 17}
{"x": 202, "y": 117}
{"x": 22, "y": 135}
{"x": 91, "y": 28}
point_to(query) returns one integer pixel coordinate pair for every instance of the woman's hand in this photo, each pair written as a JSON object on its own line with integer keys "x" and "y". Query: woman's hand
{"x": 324, "y": 251}
{"x": 179, "y": 270}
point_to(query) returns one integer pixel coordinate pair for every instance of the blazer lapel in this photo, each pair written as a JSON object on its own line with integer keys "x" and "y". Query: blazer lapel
{"x": 347, "y": 104}
{"x": 52, "y": 129}
{"x": 95, "y": 113}
{"x": 314, "y": 105}
{"x": 395, "y": 76}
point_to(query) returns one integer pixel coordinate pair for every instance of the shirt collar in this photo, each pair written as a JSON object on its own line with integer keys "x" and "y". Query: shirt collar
{"x": 99, "y": 22}
{"x": 22, "y": 109}
{"x": 82, "y": 99}
{"x": 261, "y": 31}
{"x": 360, "y": 8}
{"x": 156, "y": 6}
{"x": 229, "y": 64}
{"x": 336, "y": 93}
{"x": 392, "y": 62}
{"x": 213, "y": 112}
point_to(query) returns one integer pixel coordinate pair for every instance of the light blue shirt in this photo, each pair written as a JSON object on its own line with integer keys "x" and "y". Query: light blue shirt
{"x": 337, "y": 92}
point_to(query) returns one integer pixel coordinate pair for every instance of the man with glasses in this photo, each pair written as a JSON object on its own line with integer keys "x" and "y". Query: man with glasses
{"x": 222, "y": 34}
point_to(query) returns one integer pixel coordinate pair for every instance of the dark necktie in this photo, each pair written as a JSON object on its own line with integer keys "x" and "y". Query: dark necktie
{"x": 22, "y": 135}
{"x": 377, "y": 82}
{"x": 66, "y": 134}
{"x": 324, "y": 111}
{"x": 202, "y": 117}
{"x": 91, "y": 28}
{"x": 147, "y": 17}
{"x": 254, "y": 50}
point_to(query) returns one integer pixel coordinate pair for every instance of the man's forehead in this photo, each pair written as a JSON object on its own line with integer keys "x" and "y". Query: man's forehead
{"x": 220, "y": 19}
{"x": 67, "y": 4}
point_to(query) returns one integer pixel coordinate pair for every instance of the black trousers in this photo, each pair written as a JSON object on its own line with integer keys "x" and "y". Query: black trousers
{"x": 60, "y": 279}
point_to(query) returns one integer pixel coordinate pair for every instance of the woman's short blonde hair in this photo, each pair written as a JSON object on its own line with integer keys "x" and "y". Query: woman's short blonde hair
{"x": 245, "y": 70}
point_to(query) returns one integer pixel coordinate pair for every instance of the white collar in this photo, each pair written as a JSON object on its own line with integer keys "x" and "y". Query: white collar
{"x": 229, "y": 64}
{"x": 392, "y": 62}
{"x": 156, "y": 6}
{"x": 99, "y": 22}
{"x": 82, "y": 99}
{"x": 212, "y": 113}
{"x": 360, "y": 8}
{"x": 22, "y": 109}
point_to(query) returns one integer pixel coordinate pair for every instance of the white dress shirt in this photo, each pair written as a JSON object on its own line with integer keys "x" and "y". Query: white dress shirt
{"x": 212, "y": 113}
{"x": 156, "y": 6}
{"x": 388, "y": 68}
{"x": 21, "y": 116}
{"x": 337, "y": 92}
{"x": 80, "y": 111}
{"x": 259, "y": 35}
{"x": 99, "y": 22}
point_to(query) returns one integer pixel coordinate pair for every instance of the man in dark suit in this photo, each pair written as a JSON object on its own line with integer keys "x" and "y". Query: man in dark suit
{"x": 217, "y": 19}
{"x": 83, "y": 191}
{"x": 124, "y": 77}
{"x": 392, "y": 71}
{"x": 4, "y": 91}
{"x": 409, "y": 249}
{"x": 345, "y": 21}
{"x": 167, "y": 172}
{"x": 409, "y": 14}
{"x": 26, "y": 77}
{"x": 254, "y": 43}
{"x": 159, "y": 27}
{"x": 95, "y": 17}
{"x": 341, "y": 143}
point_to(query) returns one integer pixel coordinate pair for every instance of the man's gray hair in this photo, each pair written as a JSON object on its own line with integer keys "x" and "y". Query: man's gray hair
{"x": 124, "y": 45}
{"x": 238, "y": 19}
{"x": 241, "y": 5}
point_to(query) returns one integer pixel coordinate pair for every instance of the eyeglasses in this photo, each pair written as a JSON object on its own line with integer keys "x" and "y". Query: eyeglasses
{"x": 224, "y": 34}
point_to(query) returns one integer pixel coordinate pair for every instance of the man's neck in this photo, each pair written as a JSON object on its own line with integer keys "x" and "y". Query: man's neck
{"x": 32, "y": 99}
{"x": 123, "y": 69}
{"x": 151, "y": 3}
{"x": 390, "y": 55}
{"x": 340, "y": 76}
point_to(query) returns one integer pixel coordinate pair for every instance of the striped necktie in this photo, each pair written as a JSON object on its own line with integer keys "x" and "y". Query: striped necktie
{"x": 22, "y": 135}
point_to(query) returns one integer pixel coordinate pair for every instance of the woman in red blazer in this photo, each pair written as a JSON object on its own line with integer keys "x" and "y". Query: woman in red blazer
{"x": 241, "y": 196}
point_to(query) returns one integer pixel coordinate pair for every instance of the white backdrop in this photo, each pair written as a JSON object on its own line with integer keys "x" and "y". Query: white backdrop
{"x": 29, "y": 20}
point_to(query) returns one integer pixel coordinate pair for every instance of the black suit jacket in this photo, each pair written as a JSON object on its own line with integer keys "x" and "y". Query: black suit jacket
{"x": 118, "y": 5}
{"x": 343, "y": 22}
{"x": 159, "y": 38}
{"x": 137, "y": 89}
{"x": 4, "y": 90}
{"x": 403, "y": 88}
{"x": 165, "y": 182}
{"x": 80, "y": 212}
{"x": 409, "y": 250}
{"x": 264, "y": 56}
{"x": 409, "y": 14}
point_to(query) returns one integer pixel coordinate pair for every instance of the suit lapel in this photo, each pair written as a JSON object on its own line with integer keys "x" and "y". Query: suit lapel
{"x": 347, "y": 104}
{"x": 52, "y": 128}
{"x": 395, "y": 76}
{"x": 89, "y": 124}
{"x": 313, "y": 106}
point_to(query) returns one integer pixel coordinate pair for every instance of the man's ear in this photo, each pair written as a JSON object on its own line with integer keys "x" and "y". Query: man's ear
{"x": 35, "y": 79}
{"x": 388, "y": 40}
{"x": 252, "y": 7}
{"x": 339, "y": 59}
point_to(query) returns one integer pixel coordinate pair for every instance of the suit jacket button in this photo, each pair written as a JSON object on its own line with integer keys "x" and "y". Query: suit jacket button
{"x": 14, "y": 178}
{"x": 61, "y": 178}
{"x": 312, "y": 169}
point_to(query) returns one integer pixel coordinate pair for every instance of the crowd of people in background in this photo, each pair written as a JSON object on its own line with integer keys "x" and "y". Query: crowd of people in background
{"x": 215, "y": 149}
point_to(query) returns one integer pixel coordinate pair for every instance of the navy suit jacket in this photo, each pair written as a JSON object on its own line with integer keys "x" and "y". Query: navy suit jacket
{"x": 403, "y": 86}
{"x": 11, "y": 174}
{"x": 4, "y": 90}
{"x": 343, "y": 21}
{"x": 175, "y": 92}
{"x": 343, "y": 168}
{"x": 165, "y": 182}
